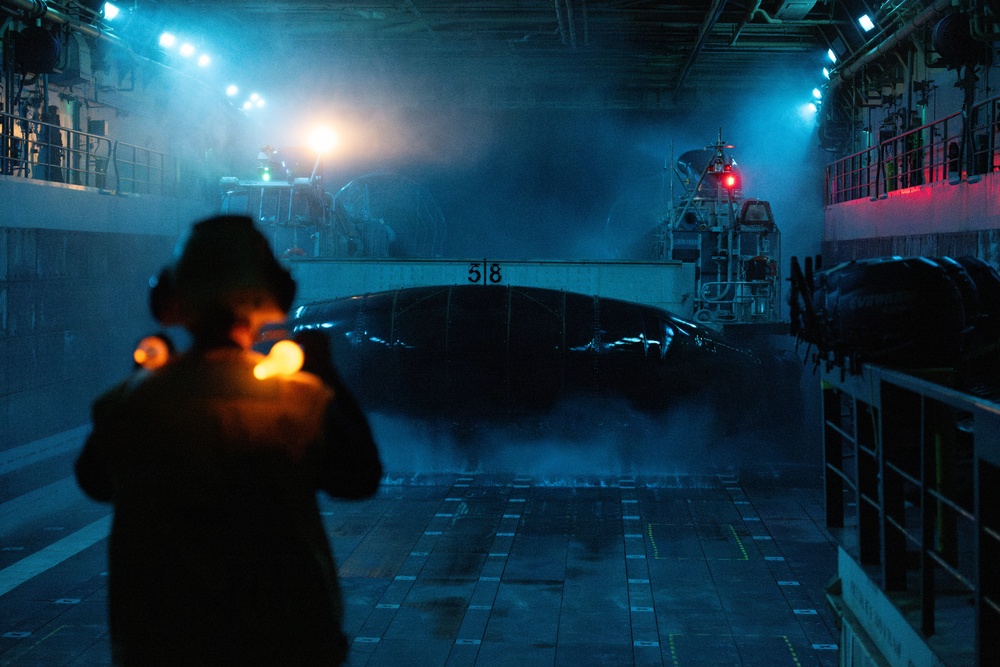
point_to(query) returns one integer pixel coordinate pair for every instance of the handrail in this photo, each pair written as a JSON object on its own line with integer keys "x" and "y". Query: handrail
{"x": 144, "y": 171}
{"x": 930, "y": 528}
{"x": 46, "y": 151}
{"x": 931, "y": 153}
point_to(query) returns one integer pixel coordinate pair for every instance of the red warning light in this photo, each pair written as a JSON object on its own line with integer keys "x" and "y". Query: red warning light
{"x": 728, "y": 177}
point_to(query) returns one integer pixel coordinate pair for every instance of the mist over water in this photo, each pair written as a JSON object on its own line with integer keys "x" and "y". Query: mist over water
{"x": 579, "y": 439}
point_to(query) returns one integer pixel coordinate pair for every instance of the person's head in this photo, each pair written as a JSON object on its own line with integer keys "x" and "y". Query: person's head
{"x": 224, "y": 283}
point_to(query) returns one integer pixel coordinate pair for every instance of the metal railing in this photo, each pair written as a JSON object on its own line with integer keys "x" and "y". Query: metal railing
{"x": 48, "y": 152}
{"x": 143, "y": 171}
{"x": 912, "y": 489}
{"x": 940, "y": 151}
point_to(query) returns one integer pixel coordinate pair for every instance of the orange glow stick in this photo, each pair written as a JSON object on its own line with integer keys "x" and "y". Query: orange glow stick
{"x": 151, "y": 352}
{"x": 285, "y": 358}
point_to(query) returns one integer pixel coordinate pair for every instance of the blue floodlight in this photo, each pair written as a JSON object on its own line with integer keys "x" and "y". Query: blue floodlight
{"x": 831, "y": 55}
{"x": 232, "y": 89}
{"x": 167, "y": 40}
{"x": 187, "y": 49}
{"x": 826, "y": 73}
{"x": 817, "y": 94}
{"x": 110, "y": 11}
{"x": 204, "y": 60}
{"x": 866, "y": 23}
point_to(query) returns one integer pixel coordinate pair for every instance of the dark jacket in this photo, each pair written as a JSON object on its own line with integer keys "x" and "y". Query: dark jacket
{"x": 218, "y": 554}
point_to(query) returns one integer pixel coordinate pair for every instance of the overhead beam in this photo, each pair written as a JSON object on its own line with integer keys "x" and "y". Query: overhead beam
{"x": 711, "y": 18}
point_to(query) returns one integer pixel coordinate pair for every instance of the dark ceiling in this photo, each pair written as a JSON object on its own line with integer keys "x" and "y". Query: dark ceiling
{"x": 536, "y": 53}
{"x": 628, "y": 54}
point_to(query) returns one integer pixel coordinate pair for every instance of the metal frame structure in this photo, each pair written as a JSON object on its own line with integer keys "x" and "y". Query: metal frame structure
{"x": 733, "y": 241}
{"x": 912, "y": 487}
{"x": 29, "y": 148}
{"x": 950, "y": 149}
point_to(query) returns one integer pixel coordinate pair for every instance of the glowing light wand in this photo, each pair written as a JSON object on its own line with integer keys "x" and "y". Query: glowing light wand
{"x": 151, "y": 352}
{"x": 285, "y": 358}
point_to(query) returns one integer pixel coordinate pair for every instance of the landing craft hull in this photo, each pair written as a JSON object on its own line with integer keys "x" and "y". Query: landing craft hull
{"x": 501, "y": 352}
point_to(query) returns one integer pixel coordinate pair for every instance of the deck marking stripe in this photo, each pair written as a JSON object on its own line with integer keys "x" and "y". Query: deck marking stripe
{"x": 652, "y": 541}
{"x": 673, "y": 651}
{"x": 19, "y": 457}
{"x": 739, "y": 543}
{"x": 791, "y": 649}
{"x": 14, "y": 575}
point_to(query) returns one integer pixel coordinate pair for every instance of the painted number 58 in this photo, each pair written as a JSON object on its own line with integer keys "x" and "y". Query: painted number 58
{"x": 485, "y": 273}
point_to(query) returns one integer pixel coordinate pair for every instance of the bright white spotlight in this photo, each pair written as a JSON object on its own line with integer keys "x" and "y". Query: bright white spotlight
{"x": 826, "y": 73}
{"x": 110, "y": 11}
{"x": 807, "y": 112}
{"x": 817, "y": 94}
{"x": 254, "y": 97}
{"x": 187, "y": 49}
{"x": 831, "y": 55}
{"x": 204, "y": 60}
{"x": 247, "y": 105}
{"x": 232, "y": 89}
{"x": 259, "y": 102}
{"x": 323, "y": 139}
{"x": 866, "y": 23}
{"x": 167, "y": 40}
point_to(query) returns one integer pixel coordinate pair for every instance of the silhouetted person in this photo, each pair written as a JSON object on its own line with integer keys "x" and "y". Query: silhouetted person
{"x": 49, "y": 166}
{"x": 217, "y": 554}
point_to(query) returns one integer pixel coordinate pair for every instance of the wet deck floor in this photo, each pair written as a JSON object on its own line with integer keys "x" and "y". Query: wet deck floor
{"x": 477, "y": 569}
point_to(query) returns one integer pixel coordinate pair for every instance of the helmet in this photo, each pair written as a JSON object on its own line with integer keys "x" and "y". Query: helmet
{"x": 223, "y": 269}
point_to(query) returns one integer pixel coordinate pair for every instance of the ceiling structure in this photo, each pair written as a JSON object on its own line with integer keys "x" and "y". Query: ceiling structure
{"x": 539, "y": 53}
{"x": 629, "y": 54}
{"x": 520, "y": 53}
